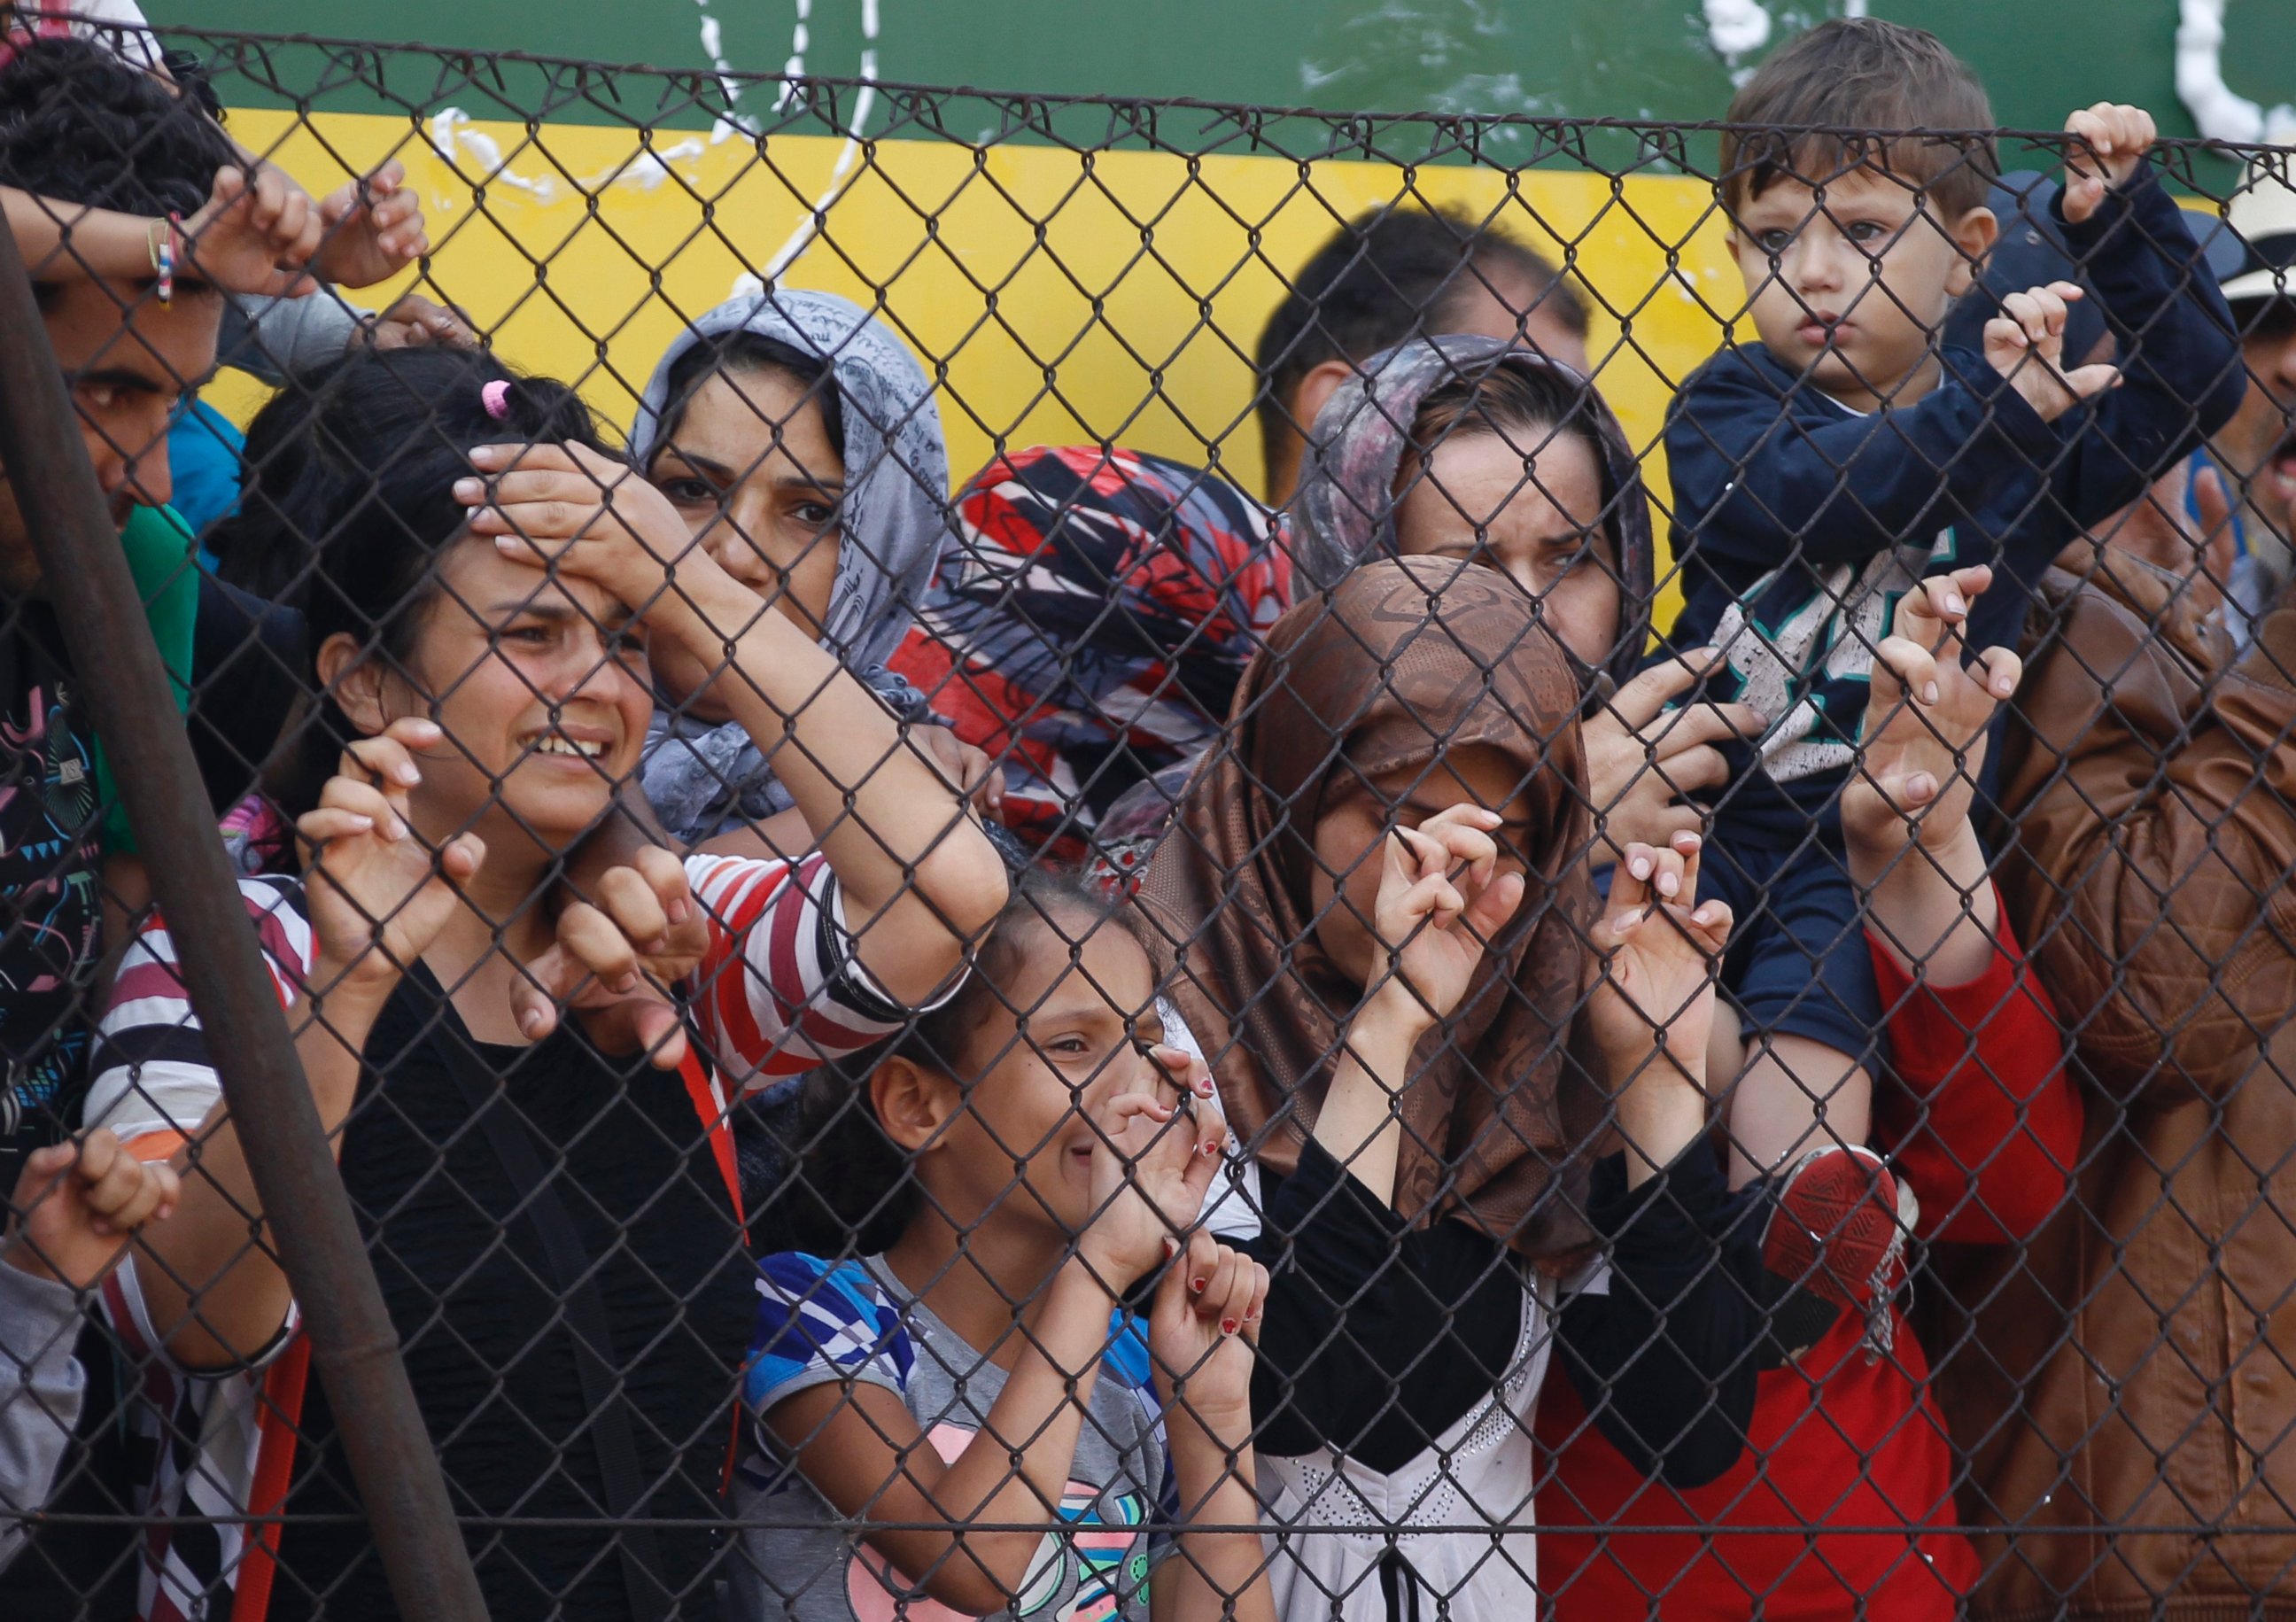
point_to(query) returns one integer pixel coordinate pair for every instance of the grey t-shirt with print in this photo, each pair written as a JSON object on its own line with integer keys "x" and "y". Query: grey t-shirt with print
{"x": 822, "y": 1322}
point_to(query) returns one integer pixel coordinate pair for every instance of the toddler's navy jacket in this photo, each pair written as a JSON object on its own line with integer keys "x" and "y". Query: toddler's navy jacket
{"x": 1799, "y": 522}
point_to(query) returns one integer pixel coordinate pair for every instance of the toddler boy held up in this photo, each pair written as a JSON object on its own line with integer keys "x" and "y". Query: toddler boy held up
{"x": 1847, "y": 452}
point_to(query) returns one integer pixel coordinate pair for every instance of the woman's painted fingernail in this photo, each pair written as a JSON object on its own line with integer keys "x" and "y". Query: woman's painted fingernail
{"x": 1228, "y": 1326}
{"x": 1171, "y": 1246}
{"x": 1196, "y": 1285}
{"x": 1211, "y": 1149}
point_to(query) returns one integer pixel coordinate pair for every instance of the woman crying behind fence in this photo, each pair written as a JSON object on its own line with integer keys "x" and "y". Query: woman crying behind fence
{"x": 1384, "y": 945}
{"x": 552, "y": 1222}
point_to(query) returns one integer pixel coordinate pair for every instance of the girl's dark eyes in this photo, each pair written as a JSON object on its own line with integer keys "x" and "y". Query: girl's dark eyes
{"x": 1068, "y": 1047}
{"x": 1868, "y": 231}
{"x": 1775, "y": 241}
{"x": 815, "y": 514}
{"x": 532, "y": 635}
{"x": 689, "y": 492}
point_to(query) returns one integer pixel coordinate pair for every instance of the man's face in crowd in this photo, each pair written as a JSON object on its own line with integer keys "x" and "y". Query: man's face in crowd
{"x": 127, "y": 361}
{"x": 1494, "y": 301}
{"x": 1492, "y": 305}
{"x": 2259, "y": 446}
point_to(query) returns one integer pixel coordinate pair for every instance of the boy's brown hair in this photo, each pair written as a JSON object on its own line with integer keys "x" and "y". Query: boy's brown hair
{"x": 1860, "y": 73}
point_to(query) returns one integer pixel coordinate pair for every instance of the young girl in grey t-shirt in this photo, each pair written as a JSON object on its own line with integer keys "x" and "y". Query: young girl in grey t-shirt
{"x": 968, "y": 1421}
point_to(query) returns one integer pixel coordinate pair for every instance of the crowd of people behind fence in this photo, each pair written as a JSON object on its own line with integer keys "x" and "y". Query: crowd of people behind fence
{"x": 1112, "y": 1045}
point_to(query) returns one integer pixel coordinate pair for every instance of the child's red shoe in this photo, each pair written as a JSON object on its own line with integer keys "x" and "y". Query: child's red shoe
{"x": 1840, "y": 1228}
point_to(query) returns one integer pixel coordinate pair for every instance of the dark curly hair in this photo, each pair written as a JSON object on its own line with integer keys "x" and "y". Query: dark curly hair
{"x": 79, "y": 126}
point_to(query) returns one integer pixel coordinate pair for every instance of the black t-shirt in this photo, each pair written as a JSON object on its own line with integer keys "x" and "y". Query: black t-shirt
{"x": 1376, "y": 1336}
{"x": 50, "y": 876}
{"x": 487, "y": 1348}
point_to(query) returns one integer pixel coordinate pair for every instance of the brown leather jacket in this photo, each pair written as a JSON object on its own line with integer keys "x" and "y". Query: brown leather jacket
{"x": 2125, "y": 1390}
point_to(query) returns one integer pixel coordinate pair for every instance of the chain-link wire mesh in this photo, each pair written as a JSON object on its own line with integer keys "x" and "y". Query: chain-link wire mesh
{"x": 1019, "y": 883}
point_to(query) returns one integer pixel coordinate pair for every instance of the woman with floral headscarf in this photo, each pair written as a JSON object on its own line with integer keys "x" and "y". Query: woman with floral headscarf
{"x": 1089, "y": 630}
{"x": 801, "y": 443}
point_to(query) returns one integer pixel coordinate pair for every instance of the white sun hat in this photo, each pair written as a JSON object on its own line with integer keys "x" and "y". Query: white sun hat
{"x": 2254, "y": 251}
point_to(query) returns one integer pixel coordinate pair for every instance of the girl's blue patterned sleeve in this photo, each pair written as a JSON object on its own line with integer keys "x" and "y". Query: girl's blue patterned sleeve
{"x": 820, "y": 1322}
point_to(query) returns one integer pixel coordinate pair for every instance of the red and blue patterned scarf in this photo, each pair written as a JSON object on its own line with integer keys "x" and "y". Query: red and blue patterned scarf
{"x": 1089, "y": 629}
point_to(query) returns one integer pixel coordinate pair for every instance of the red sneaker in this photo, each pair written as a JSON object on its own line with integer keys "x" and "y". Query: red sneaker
{"x": 1836, "y": 1230}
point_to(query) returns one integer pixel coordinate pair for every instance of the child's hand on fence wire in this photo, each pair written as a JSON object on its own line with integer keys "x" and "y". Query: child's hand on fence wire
{"x": 414, "y": 322}
{"x": 1202, "y": 1330}
{"x": 638, "y": 932}
{"x": 256, "y": 235}
{"x": 1642, "y": 757}
{"x": 1154, "y": 1151}
{"x": 576, "y": 511}
{"x": 76, "y": 1204}
{"x": 377, "y": 894}
{"x": 1926, "y": 716}
{"x": 2108, "y": 147}
{"x": 2026, "y": 344}
{"x": 371, "y": 229}
{"x": 1657, "y": 949}
{"x": 1441, "y": 900}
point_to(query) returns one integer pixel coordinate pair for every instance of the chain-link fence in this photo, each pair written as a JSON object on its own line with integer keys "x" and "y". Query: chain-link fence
{"x": 1045, "y": 854}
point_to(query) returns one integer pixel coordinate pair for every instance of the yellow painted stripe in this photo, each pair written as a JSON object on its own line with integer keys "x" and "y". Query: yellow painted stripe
{"x": 1131, "y": 320}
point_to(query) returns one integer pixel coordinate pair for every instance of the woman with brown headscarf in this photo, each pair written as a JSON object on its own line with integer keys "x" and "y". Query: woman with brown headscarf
{"x": 1381, "y": 931}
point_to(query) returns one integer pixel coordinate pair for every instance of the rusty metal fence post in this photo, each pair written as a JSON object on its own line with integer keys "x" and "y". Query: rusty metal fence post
{"x": 352, "y": 1340}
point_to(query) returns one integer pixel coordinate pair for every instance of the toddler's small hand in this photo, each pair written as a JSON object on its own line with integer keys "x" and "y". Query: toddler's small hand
{"x": 2026, "y": 344}
{"x": 2111, "y": 141}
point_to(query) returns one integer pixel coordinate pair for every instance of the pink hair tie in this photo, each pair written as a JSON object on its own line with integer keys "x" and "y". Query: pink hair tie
{"x": 497, "y": 398}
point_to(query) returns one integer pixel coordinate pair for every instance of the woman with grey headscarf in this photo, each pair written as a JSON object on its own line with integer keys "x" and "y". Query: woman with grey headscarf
{"x": 801, "y": 442}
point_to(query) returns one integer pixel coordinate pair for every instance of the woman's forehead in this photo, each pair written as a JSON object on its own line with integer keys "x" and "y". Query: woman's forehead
{"x": 1481, "y": 772}
{"x": 487, "y": 585}
{"x": 747, "y": 410}
{"x": 1082, "y": 966}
